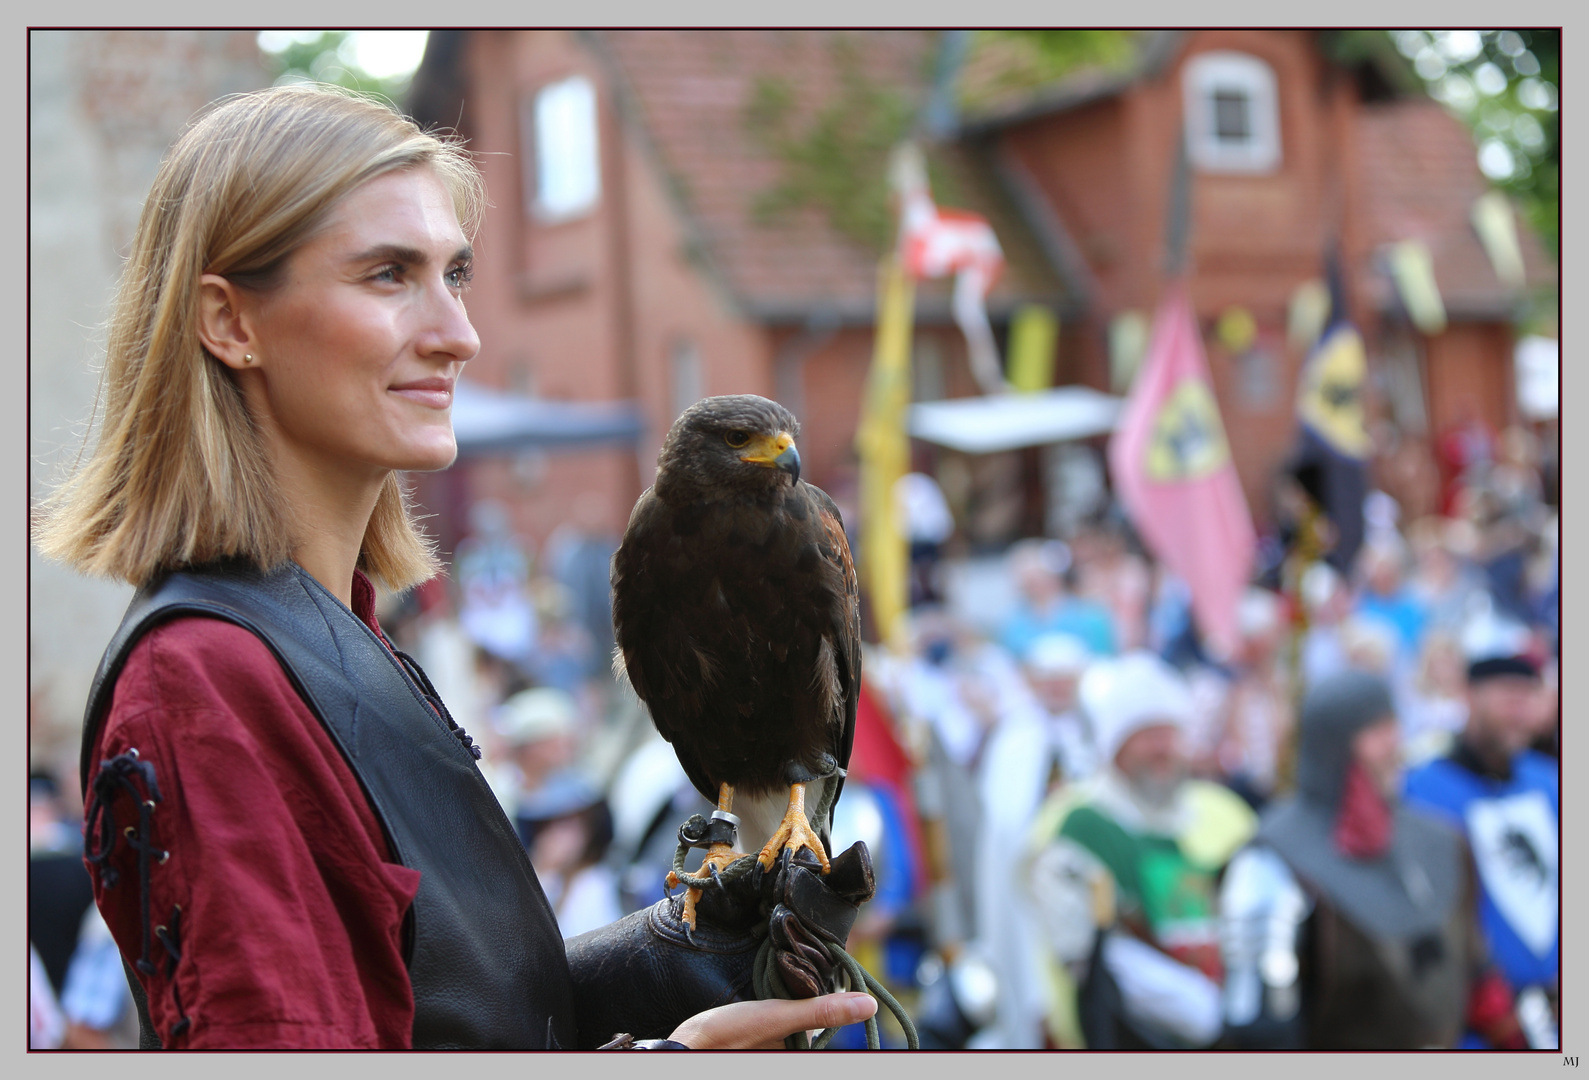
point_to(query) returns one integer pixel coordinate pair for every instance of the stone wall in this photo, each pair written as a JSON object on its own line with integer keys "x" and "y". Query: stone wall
{"x": 104, "y": 107}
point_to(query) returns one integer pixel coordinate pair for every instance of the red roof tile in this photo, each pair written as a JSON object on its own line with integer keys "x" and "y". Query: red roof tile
{"x": 1420, "y": 178}
{"x": 692, "y": 89}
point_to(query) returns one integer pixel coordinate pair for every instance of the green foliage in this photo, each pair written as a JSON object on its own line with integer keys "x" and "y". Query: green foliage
{"x": 325, "y": 56}
{"x": 1064, "y": 51}
{"x": 1504, "y": 84}
{"x": 1375, "y": 49}
{"x": 1029, "y": 60}
{"x": 835, "y": 160}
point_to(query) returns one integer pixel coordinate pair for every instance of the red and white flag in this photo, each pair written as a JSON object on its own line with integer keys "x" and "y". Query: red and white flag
{"x": 934, "y": 243}
{"x": 1172, "y": 469}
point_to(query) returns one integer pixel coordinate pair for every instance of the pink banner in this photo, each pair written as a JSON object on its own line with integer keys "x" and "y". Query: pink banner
{"x": 1172, "y": 470}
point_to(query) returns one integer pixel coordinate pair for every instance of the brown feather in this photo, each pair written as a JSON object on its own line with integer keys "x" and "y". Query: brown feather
{"x": 736, "y": 607}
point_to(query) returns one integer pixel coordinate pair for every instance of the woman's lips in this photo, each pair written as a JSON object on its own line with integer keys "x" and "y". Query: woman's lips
{"x": 431, "y": 393}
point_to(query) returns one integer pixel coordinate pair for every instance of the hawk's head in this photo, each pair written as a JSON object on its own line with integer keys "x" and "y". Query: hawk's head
{"x": 736, "y": 444}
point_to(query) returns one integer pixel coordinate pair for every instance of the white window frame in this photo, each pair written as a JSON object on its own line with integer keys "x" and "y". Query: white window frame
{"x": 561, "y": 131}
{"x": 1205, "y": 75}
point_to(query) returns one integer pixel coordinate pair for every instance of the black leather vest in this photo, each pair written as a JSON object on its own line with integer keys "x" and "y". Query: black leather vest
{"x": 485, "y": 956}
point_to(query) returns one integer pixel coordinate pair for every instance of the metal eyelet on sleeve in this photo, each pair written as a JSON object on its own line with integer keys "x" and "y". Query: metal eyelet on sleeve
{"x": 126, "y": 772}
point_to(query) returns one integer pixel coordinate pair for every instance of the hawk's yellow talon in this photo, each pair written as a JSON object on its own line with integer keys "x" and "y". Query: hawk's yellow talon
{"x": 719, "y": 856}
{"x": 794, "y": 833}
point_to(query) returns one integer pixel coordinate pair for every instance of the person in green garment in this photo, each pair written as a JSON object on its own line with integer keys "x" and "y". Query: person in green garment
{"x": 1123, "y": 871}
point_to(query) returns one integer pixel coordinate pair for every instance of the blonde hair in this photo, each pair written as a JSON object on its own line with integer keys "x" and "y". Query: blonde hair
{"x": 179, "y": 476}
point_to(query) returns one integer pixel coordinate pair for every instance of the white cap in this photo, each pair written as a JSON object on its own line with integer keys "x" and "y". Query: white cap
{"x": 1371, "y": 637}
{"x": 1491, "y": 635}
{"x": 1258, "y": 613}
{"x": 1135, "y": 691}
{"x": 1058, "y": 654}
{"x": 532, "y": 715}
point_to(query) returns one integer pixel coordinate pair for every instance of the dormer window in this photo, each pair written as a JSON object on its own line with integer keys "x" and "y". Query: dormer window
{"x": 1232, "y": 113}
{"x": 1231, "y": 119}
{"x": 563, "y": 180}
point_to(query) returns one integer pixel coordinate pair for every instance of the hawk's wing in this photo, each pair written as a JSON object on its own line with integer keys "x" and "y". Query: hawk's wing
{"x": 680, "y": 614}
{"x": 846, "y": 629}
{"x": 667, "y": 670}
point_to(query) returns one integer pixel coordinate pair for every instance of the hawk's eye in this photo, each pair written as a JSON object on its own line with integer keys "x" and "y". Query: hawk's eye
{"x": 737, "y": 439}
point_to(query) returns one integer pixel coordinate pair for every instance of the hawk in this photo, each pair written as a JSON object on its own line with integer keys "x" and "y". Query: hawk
{"x": 737, "y": 620}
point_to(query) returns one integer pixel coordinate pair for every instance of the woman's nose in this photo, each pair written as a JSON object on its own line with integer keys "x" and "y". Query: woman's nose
{"x": 450, "y": 333}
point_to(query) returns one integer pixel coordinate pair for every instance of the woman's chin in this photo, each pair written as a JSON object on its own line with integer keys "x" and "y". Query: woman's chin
{"x": 430, "y": 458}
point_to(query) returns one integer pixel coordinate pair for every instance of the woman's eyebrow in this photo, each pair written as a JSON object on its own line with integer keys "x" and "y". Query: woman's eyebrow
{"x": 404, "y": 254}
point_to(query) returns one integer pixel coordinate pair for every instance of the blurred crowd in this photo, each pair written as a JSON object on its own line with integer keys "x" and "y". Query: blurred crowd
{"x": 1088, "y": 828}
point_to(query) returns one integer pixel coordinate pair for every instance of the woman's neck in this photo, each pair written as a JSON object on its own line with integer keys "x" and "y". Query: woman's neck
{"x": 328, "y": 558}
{"x": 331, "y": 513}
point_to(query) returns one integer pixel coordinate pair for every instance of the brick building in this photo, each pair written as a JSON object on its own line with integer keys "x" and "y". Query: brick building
{"x": 638, "y": 266}
{"x": 1316, "y": 153}
{"x": 651, "y": 276}
{"x": 641, "y": 268}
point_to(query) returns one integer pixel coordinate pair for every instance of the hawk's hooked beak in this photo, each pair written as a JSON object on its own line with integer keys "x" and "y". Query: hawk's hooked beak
{"x": 774, "y": 452}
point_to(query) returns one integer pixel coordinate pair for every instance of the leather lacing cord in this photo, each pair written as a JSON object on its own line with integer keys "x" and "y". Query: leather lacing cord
{"x": 116, "y": 775}
{"x": 417, "y": 673}
{"x": 171, "y": 938}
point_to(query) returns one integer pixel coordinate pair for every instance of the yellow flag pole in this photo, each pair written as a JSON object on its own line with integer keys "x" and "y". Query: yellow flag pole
{"x": 1304, "y": 554}
{"x": 884, "y": 450}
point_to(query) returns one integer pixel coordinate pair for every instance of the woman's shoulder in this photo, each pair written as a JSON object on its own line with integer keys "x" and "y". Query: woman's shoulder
{"x": 198, "y": 663}
{"x": 206, "y": 699}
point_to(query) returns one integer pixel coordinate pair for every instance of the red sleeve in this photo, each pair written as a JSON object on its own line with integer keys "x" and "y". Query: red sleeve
{"x": 1491, "y": 1012}
{"x": 291, "y": 915}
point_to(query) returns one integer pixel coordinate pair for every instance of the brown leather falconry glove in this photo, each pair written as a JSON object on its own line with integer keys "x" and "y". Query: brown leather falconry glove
{"x": 647, "y": 973}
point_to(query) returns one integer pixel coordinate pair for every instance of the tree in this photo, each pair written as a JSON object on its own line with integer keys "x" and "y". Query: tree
{"x": 1504, "y": 84}
{"x": 835, "y": 158}
{"x": 1005, "y": 66}
{"x": 339, "y": 57}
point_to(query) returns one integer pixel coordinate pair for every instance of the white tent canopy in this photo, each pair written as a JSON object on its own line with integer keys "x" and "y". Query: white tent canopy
{"x": 1538, "y": 364}
{"x": 490, "y": 421}
{"x": 986, "y": 425}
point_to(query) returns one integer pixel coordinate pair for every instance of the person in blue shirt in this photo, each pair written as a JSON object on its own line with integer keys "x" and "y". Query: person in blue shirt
{"x": 1047, "y": 605}
{"x": 1385, "y": 595}
{"x": 1506, "y": 799}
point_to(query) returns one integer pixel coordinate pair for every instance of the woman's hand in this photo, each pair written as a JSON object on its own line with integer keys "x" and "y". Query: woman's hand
{"x": 763, "y": 1025}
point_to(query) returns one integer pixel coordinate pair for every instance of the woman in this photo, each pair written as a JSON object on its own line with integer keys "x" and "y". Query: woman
{"x": 289, "y": 837}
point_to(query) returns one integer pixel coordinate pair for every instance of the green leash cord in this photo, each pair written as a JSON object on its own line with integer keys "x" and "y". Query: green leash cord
{"x": 768, "y": 984}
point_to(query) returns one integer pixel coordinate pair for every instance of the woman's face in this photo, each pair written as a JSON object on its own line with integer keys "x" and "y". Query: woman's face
{"x": 357, "y": 350}
{"x": 1378, "y": 749}
{"x": 559, "y": 844}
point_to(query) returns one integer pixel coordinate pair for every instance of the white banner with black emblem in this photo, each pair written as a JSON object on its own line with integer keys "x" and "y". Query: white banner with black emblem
{"x": 1514, "y": 845}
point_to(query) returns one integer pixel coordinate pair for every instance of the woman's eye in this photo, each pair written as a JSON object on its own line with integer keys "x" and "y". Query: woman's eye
{"x": 737, "y": 439}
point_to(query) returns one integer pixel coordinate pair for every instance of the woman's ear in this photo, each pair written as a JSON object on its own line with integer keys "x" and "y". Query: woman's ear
{"x": 223, "y": 330}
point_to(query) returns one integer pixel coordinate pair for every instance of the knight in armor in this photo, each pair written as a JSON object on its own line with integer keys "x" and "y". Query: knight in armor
{"x": 288, "y": 834}
{"x": 1505, "y": 799}
{"x": 1349, "y": 922}
{"x": 1125, "y": 868}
